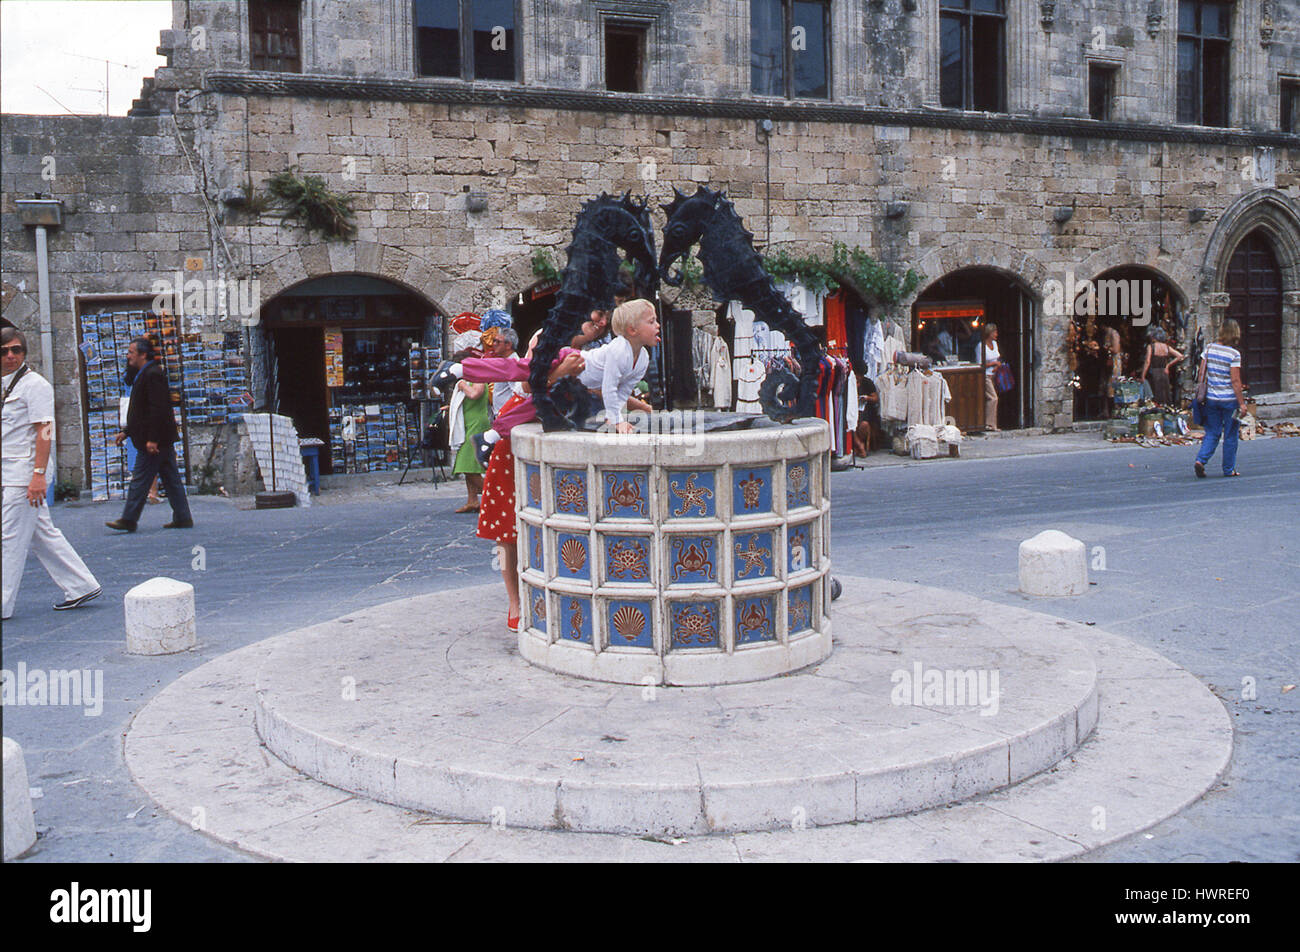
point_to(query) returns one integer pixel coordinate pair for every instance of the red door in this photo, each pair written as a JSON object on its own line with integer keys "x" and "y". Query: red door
{"x": 1255, "y": 284}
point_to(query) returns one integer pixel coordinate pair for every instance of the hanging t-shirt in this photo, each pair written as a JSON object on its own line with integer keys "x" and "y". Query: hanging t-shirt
{"x": 837, "y": 336}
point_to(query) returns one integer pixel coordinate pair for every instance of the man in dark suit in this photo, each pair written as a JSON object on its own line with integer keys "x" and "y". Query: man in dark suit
{"x": 152, "y": 428}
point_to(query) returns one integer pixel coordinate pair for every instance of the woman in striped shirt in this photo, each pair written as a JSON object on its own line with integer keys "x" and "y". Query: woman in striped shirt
{"x": 1221, "y": 369}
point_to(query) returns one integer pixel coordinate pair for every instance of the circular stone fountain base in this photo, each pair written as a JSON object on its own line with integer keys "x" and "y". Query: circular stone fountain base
{"x": 914, "y": 709}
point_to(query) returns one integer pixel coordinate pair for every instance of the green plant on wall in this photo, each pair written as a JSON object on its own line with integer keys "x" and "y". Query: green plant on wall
{"x": 851, "y": 266}
{"x": 307, "y": 201}
{"x": 544, "y": 266}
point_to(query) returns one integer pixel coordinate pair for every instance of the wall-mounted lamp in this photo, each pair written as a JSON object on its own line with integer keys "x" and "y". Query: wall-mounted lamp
{"x": 1063, "y": 214}
{"x": 476, "y": 202}
{"x": 1196, "y": 214}
{"x": 895, "y": 209}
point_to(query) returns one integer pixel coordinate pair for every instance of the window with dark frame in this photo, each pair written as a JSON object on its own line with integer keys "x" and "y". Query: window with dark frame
{"x": 790, "y": 48}
{"x": 973, "y": 54}
{"x": 1101, "y": 91}
{"x": 1290, "y": 106}
{"x": 1204, "y": 44}
{"x": 273, "y": 36}
{"x": 466, "y": 39}
{"x": 625, "y": 58}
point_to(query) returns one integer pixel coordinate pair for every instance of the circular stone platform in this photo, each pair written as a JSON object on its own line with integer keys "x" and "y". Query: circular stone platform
{"x": 929, "y": 697}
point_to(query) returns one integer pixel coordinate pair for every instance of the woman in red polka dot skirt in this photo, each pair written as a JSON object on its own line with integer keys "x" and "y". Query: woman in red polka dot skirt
{"x": 496, "y": 515}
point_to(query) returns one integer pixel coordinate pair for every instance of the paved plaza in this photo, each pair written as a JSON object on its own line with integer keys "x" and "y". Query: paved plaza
{"x": 1204, "y": 572}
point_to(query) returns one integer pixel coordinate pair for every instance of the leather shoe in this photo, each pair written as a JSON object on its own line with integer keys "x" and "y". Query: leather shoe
{"x": 179, "y": 525}
{"x": 121, "y": 525}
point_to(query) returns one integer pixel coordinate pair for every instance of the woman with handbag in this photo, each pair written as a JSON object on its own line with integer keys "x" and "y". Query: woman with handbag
{"x": 1221, "y": 390}
{"x": 986, "y": 354}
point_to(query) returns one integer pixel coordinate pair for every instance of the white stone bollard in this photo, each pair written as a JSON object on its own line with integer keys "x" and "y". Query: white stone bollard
{"x": 1053, "y": 564}
{"x": 160, "y": 617}
{"x": 20, "y": 821}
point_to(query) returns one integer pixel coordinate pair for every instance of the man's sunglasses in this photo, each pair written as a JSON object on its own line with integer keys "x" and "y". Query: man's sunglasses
{"x": 13, "y": 349}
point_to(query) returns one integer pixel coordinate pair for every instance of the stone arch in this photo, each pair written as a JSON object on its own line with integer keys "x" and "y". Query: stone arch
{"x": 1179, "y": 275}
{"x": 983, "y": 253}
{"x": 1272, "y": 212}
{"x": 515, "y": 276}
{"x": 1265, "y": 208}
{"x": 362, "y": 257}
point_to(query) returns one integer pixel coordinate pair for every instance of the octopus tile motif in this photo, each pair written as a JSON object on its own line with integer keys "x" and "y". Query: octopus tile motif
{"x": 630, "y": 624}
{"x": 626, "y": 496}
{"x": 692, "y": 559}
{"x": 691, "y": 495}
{"x": 694, "y": 625}
{"x": 755, "y": 619}
{"x": 571, "y": 492}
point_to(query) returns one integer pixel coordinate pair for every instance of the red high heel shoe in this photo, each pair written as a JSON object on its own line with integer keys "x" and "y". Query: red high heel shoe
{"x": 512, "y": 623}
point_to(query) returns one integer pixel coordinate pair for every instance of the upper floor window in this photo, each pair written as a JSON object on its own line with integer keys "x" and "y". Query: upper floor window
{"x": 273, "y": 38}
{"x": 1290, "y": 106}
{"x": 469, "y": 39}
{"x": 973, "y": 54}
{"x": 1101, "y": 90}
{"x": 1204, "y": 39}
{"x": 789, "y": 51}
{"x": 625, "y": 58}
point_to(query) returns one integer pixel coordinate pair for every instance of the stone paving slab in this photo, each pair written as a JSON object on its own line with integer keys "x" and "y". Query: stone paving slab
{"x": 194, "y": 746}
{"x": 452, "y": 721}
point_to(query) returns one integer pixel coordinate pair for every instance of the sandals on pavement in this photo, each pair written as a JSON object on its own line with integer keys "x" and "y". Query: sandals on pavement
{"x": 468, "y": 507}
{"x": 1230, "y": 475}
{"x": 1200, "y": 469}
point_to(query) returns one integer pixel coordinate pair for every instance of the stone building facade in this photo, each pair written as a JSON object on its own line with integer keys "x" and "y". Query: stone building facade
{"x": 457, "y": 180}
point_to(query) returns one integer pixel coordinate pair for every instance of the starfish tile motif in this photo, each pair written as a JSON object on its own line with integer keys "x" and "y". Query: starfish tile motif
{"x": 753, "y": 556}
{"x": 691, "y": 496}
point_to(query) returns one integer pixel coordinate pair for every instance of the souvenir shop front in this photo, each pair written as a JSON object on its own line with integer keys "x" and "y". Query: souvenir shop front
{"x": 346, "y": 357}
{"x": 1108, "y": 335}
{"x": 948, "y": 320}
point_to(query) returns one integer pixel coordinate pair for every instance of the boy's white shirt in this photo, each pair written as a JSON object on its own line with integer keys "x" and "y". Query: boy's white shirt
{"x": 612, "y": 370}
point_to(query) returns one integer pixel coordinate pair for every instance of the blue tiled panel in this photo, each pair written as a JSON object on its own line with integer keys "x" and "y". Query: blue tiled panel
{"x": 533, "y": 490}
{"x": 630, "y": 624}
{"x": 692, "y": 559}
{"x": 571, "y": 492}
{"x": 755, "y": 619}
{"x": 535, "y": 558}
{"x": 798, "y": 484}
{"x": 751, "y": 490}
{"x": 695, "y": 624}
{"x": 537, "y": 607}
{"x": 627, "y": 559}
{"x": 575, "y": 619}
{"x": 572, "y": 555}
{"x": 625, "y": 494}
{"x": 752, "y": 555}
{"x": 799, "y": 551}
{"x": 691, "y": 494}
{"x": 801, "y": 602}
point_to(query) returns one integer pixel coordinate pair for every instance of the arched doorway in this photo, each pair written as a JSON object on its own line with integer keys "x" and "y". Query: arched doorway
{"x": 947, "y": 321}
{"x": 1132, "y": 301}
{"x": 1254, "y": 283}
{"x": 340, "y": 350}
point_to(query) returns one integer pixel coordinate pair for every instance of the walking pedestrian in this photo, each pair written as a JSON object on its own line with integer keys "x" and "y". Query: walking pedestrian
{"x": 987, "y": 356}
{"x": 150, "y": 424}
{"x": 1224, "y": 396}
{"x": 26, "y": 434}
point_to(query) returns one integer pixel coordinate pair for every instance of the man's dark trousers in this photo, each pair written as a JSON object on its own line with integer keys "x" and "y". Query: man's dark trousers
{"x": 148, "y": 467}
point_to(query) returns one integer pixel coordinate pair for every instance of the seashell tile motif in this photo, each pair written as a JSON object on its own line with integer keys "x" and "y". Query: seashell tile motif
{"x": 537, "y": 605}
{"x": 629, "y": 624}
{"x": 533, "y": 478}
{"x": 573, "y": 556}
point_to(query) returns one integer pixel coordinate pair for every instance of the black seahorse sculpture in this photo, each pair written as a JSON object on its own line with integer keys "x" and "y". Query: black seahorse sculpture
{"x": 734, "y": 271}
{"x": 604, "y": 226}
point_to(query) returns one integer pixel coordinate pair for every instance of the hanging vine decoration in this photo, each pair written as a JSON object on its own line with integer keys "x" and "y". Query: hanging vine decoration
{"x": 544, "y": 266}
{"x": 851, "y": 266}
